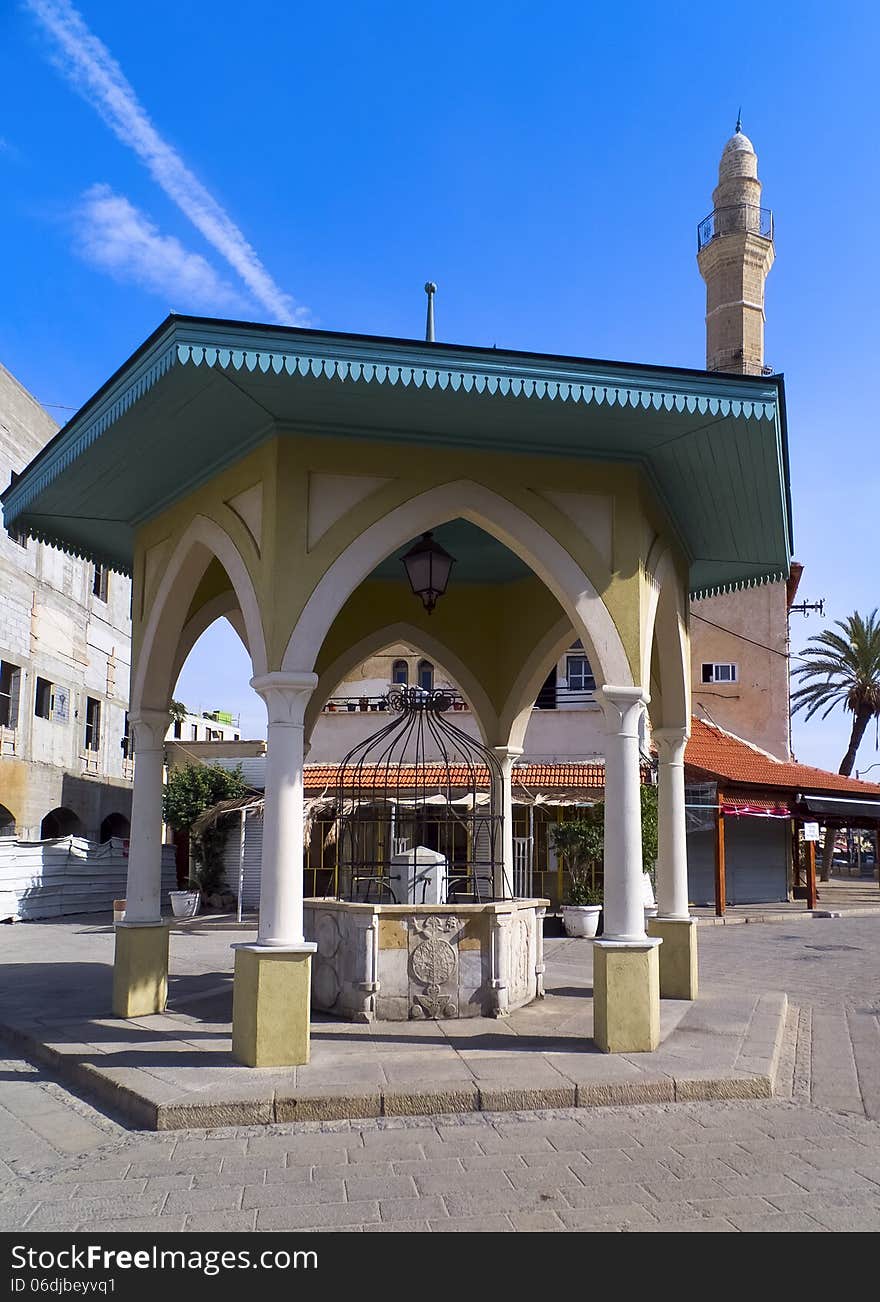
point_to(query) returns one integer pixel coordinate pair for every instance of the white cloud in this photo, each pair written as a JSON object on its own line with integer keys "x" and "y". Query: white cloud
{"x": 87, "y": 63}
{"x": 112, "y": 234}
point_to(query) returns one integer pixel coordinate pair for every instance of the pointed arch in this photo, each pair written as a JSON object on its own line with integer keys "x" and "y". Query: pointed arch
{"x": 223, "y": 606}
{"x": 202, "y": 542}
{"x": 517, "y": 711}
{"x": 545, "y": 556}
{"x": 376, "y": 641}
{"x": 665, "y": 630}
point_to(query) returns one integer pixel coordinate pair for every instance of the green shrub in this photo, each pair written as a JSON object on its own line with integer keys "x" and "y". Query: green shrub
{"x": 188, "y": 793}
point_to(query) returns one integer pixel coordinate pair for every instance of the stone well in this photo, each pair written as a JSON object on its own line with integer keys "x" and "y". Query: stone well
{"x": 393, "y": 962}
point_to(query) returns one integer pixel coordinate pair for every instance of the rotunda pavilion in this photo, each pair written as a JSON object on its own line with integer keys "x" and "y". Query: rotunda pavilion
{"x": 267, "y": 474}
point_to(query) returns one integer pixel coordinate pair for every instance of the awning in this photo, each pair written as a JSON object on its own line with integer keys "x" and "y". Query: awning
{"x": 842, "y": 807}
{"x": 755, "y": 807}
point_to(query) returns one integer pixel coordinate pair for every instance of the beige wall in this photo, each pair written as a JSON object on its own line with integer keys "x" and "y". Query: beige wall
{"x": 755, "y": 707}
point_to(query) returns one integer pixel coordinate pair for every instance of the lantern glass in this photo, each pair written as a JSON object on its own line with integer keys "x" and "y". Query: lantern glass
{"x": 427, "y": 566}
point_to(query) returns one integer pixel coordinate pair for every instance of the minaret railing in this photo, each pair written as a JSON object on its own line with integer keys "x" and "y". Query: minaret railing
{"x": 733, "y": 219}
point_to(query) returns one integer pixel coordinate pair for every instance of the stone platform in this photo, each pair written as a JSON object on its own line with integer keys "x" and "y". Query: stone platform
{"x": 176, "y": 1070}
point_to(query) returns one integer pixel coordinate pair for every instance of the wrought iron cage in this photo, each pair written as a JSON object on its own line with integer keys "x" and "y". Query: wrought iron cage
{"x": 418, "y": 813}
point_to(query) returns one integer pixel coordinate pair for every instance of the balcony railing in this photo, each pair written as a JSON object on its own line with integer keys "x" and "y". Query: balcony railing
{"x": 733, "y": 219}
{"x": 354, "y": 704}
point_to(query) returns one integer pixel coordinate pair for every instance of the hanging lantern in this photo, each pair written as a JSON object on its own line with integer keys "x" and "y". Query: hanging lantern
{"x": 427, "y": 566}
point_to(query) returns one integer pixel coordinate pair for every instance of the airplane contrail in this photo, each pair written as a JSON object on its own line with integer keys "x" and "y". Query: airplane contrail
{"x": 87, "y": 63}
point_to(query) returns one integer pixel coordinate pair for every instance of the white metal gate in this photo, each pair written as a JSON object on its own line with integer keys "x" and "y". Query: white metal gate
{"x": 522, "y": 867}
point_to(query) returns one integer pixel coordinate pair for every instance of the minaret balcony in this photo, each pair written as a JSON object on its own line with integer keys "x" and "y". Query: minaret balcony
{"x": 734, "y": 219}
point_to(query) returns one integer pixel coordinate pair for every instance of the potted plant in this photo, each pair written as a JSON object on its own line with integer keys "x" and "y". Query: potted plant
{"x": 185, "y": 904}
{"x": 580, "y": 916}
{"x": 580, "y": 843}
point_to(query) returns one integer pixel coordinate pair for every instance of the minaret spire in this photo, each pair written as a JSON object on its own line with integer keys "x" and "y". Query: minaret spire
{"x": 739, "y": 121}
{"x": 735, "y": 253}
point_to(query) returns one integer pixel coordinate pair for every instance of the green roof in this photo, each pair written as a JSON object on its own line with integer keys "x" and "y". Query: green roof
{"x": 200, "y": 393}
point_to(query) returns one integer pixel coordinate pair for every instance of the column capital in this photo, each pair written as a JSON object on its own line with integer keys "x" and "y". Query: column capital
{"x": 622, "y": 707}
{"x": 149, "y": 728}
{"x": 508, "y": 753}
{"x": 286, "y": 693}
{"x": 671, "y": 743}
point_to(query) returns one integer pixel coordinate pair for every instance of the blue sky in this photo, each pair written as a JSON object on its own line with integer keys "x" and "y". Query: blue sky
{"x": 545, "y": 164}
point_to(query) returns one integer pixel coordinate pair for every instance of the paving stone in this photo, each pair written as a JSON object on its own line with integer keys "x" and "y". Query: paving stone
{"x": 15, "y": 1215}
{"x": 398, "y": 1227}
{"x": 464, "y": 1204}
{"x": 537, "y": 1222}
{"x": 397, "y": 1186}
{"x": 849, "y": 1220}
{"x": 605, "y": 1195}
{"x": 224, "y": 1198}
{"x": 765, "y": 1184}
{"x": 792, "y": 1223}
{"x": 130, "y": 1188}
{"x": 294, "y": 1193}
{"x": 436, "y": 1166}
{"x": 156, "y": 1185}
{"x": 471, "y": 1225}
{"x": 618, "y": 1216}
{"x": 473, "y": 1182}
{"x": 137, "y": 1225}
{"x": 332, "y": 1216}
{"x": 709, "y": 1225}
{"x": 220, "y": 1222}
{"x": 407, "y": 1209}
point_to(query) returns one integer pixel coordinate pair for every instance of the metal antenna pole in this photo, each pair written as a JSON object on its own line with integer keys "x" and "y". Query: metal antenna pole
{"x": 430, "y": 290}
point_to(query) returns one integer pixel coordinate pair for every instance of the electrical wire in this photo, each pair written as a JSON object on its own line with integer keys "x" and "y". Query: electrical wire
{"x": 786, "y": 655}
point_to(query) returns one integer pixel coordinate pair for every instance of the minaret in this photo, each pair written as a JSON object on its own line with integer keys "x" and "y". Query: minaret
{"x": 735, "y": 252}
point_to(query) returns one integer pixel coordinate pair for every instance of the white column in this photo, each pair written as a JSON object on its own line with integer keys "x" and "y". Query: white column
{"x": 281, "y": 879}
{"x": 624, "y": 913}
{"x": 672, "y": 873}
{"x": 143, "y": 891}
{"x": 507, "y": 757}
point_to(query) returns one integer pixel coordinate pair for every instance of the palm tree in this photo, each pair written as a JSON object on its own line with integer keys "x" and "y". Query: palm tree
{"x": 842, "y": 669}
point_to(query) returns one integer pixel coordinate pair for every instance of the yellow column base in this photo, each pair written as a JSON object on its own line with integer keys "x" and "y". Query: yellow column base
{"x": 140, "y": 970}
{"x": 678, "y": 956}
{"x": 626, "y": 996}
{"x": 270, "y": 1006}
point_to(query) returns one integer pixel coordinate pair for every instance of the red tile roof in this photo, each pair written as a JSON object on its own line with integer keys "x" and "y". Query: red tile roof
{"x": 727, "y": 757}
{"x": 537, "y": 777}
{"x": 710, "y": 749}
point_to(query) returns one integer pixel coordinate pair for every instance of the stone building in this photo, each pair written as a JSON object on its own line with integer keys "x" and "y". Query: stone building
{"x": 65, "y": 651}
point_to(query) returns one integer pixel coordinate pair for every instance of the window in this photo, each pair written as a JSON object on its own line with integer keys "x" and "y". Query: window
{"x": 51, "y": 701}
{"x": 719, "y": 673}
{"x": 546, "y": 698}
{"x": 178, "y": 729}
{"x": 99, "y": 582}
{"x": 195, "y": 731}
{"x": 426, "y": 675}
{"x": 93, "y": 724}
{"x": 400, "y": 673}
{"x": 10, "y": 684}
{"x": 18, "y": 535}
{"x": 579, "y": 674}
{"x": 126, "y": 738}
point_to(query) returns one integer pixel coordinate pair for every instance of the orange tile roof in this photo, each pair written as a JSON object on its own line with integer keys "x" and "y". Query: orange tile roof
{"x": 534, "y": 776}
{"x": 725, "y": 756}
